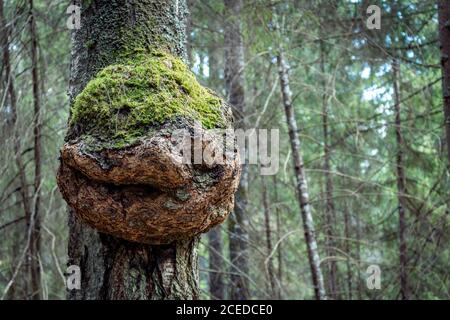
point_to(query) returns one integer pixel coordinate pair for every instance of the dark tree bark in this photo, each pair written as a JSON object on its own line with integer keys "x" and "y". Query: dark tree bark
{"x": 270, "y": 271}
{"x": 216, "y": 263}
{"x": 279, "y": 248}
{"x": 330, "y": 213}
{"x": 444, "y": 36}
{"x": 216, "y": 282}
{"x": 190, "y": 6}
{"x": 300, "y": 176}
{"x": 34, "y": 222}
{"x": 113, "y": 268}
{"x": 401, "y": 185}
{"x": 234, "y": 78}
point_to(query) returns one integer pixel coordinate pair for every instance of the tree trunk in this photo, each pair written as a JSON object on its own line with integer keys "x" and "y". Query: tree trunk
{"x": 34, "y": 222}
{"x": 190, "y": 5}
{"x": 330, "y": 213}
{"x": 300, "y": 175}
{"x": 401, "y": 187}
{"x": 444, "y": 35}
{"x": 358, "y": 254}
{"x": 112, "y": 268}
{"x": 348, "y": 252}
{"x": 279, "y": 248}
{"x": 5, "y": 43}
{"x": 216, "y": 283}
{"x": 216, "y": 263}
{"x": 270, "y": 273}
{"x": 234, "y": 79}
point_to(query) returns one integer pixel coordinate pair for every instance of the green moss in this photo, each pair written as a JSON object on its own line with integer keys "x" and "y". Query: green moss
{"x": 124, "y": 101}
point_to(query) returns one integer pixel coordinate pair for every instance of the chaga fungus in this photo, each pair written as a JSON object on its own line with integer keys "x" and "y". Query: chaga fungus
{"x": 121, "y": 171}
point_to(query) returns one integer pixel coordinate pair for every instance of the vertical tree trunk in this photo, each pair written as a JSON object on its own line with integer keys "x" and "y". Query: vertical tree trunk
{"x": 34, "y": 223}
{"x": 279, "y": 248}
{"x": 234, "y": 79}
{"x": 358, "y": 254}
{"x": 401, "y": 188}
{"x": 330, "y": 214}
{"x": 5, "y": 43}
{"x": 112, "y": 268}
{"x": 216, "y": 283}
{"x": 300, "y": 175}
{"x": 216, "y": 263}
{"x": 444, "y": 36}
{"x": 270, "y": 273}
{"x": 348, "y": 252}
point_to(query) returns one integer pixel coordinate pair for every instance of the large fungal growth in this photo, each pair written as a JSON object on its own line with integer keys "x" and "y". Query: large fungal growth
{"x": 122, "y": 169}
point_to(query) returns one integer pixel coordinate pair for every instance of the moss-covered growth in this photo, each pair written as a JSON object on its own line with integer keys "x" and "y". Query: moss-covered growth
{"x": 125, "y": 101}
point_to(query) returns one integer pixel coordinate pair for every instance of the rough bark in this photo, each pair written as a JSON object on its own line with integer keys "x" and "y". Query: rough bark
{"x": 300, "y": 176}
{"x": 401, "y": 184}
{"x": 330, "y": 213}
{"x": 234, "y": 78}
{"x": 113, "y": 268}
{"x": 147, "y": 194}
{"x": 216, "y": 262}
{"x": 444, "y": 36}
{"x": 34, "y": 221}
{"x": 190, "y": 6}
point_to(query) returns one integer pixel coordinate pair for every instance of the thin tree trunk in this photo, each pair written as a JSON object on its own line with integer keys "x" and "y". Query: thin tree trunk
{"x": 216, "y": 263}
{"x": 234, "y": 79}
{"x": 4, "y": 37}
{"x": 112, "y": 268}
{"x": 401, "y": 187}
{"x": 216, "y": 283}
{"x": 34, "y": 222}
{"x": 358, "y": 254}
{"x": 348, "y": 252}
{"x": 444, "y": 35}
{"x": 279, "y": 248}
{"x": 270, "y": 272}
{"x": 330, "y": 213}
{"x": 300, "y": 175}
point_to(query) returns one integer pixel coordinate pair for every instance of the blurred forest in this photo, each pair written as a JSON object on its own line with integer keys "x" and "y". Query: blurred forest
{"x": 369, "y": 113}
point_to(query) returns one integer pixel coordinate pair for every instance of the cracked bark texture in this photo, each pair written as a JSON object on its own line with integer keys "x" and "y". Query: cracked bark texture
{"x": 112, "y": 268}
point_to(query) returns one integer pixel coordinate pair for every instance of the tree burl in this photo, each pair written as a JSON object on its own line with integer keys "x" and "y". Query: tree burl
{"x": 122, "y": 170}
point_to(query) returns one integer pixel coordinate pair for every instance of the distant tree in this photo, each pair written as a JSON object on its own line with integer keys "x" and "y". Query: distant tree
{"x": 234, "y": 82}
{"x": 444, "y": 36}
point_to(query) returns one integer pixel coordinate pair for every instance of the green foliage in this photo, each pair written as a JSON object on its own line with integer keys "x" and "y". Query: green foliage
{"x": 125, "y": 101}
